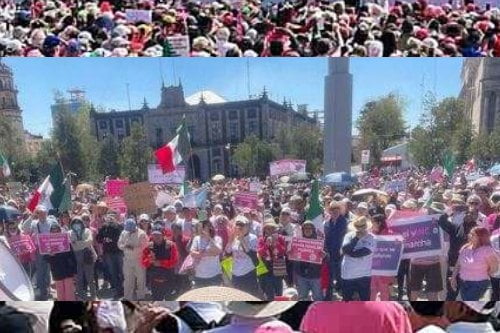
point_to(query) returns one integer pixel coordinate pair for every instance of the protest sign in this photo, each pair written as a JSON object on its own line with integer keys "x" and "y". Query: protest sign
{"x": 179, "y": 45}
{"x": 53, "y": 243}
{"x": 396, "y": 185}
{"x": 115, "y": 187}
{"x": 163, "y": 198}
{"x": 196, "y": 198}
{"x": 306, "y": 250}
{"x": 117, "y": 204}
{"x": 156, "y": 175}
{"x": 21, "y": 245}
{"x": 140, "y": 198}
{"x": 138, "y": 15}
{"x": 246, "y": 200}
{"x": 387, "y": 255}
{"x": 254, "y": 187}
{"x": 422, "y": 235}
{"x": 286, "y": 167}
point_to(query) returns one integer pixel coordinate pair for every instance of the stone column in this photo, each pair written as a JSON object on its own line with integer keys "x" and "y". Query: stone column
{"x": 337, "y": 146}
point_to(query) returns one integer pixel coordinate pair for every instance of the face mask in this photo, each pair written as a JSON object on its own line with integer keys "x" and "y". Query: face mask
{"x": 77, "y": 227}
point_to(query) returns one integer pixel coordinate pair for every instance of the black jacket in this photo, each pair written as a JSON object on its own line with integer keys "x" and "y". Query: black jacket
{"x": 108, "y": 235}
{"x": 458, "y": 236}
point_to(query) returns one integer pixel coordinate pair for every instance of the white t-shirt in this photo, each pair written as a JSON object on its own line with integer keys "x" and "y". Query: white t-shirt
{"x": 495, "y": 243}
{"x": 242, "y": 263}
{"x": 463, "y": 327}
{"x": 431, "y": 329}
{"x": 353, "y": 268}
{"x": 208, "y": 266}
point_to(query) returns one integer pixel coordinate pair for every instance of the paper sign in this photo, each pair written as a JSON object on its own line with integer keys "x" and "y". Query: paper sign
{"x": 117, "y": 204}
{"x": 163, "y": 198}
{"x": 422, "y": 235}
{"x": 22, "y": 245}
{"x": 53, "y": 243}
{"x": 254, "y": 187}
{"x": 306, "y": 250}
{"x": 286, "y": 167}
{"x": 156, "y": 175}
{"x": 115, "y": 187}
{"x": 246, "y": 200}
{"x": 396, "y": 186}
{"x": 140, "y": 198}
{"x": 387, "y": 255}
{"x": 138, "y": 15}
{"x": 179, "y": 45}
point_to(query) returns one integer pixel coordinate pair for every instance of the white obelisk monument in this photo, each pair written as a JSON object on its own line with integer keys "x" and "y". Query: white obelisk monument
{"x": 337, "y": 147}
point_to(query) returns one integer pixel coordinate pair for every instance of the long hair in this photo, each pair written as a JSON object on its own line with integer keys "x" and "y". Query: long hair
{"x": 483, "y": 236}
{"x": 381, "y": 221}
{"x": 210, "y": 226}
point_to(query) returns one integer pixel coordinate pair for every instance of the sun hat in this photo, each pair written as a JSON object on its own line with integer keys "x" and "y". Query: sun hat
{"x": 259, "y": 310}
{"x": 457, "y": 198}
{"x": 437, "y": 207}
{"x": 216, "y": 294}
{"x": 484, "y": 308}
{"x": 410, "y": 204}
{"x": 240, "y": 219}
{"x": 361, "y": 223}
{"x": 363, "y": 205}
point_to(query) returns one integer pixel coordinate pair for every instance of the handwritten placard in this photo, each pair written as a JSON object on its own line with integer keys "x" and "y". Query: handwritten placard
{"x": 53, "y": 243}
{"x": 306, "y": 250}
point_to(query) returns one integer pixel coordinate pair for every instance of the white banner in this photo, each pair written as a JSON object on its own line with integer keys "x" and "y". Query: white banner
{"x": 286, "y": 167}
{"x": 138, "y": 15}
{"x": 156, "y": 175}
{"x": 180, "y": 45}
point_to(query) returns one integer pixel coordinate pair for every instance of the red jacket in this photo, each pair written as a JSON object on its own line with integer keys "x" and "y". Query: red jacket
{"x": 267, "y": 252}
{"x": 147, "y": 257}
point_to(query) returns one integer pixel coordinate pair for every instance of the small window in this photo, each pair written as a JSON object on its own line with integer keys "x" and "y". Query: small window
{"x": 252, "y": 127}
{"x": 214, "y": 116}
{"x": 119, "y": 123}
{"x": 252, "y": 113}
{"x": 217, "y": 166}
{"x": 103, "y": 124}
{"x": 216, "y": 152}
{"x": 233, "y": 115}
{"x": 135, "y": 120}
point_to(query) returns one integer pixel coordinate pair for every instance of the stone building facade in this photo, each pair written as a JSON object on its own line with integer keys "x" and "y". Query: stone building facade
{"x": 216, "y": 126}
{"x": 481, "y": 92}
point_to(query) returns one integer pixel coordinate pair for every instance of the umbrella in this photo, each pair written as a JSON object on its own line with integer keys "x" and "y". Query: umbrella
{"x": 218, "y": 178}
{"x": 495, "y": 170}
{"x": 299, "y": 177}
{"x": 367, "y": 192}
{"x": 84, "y": 187}
{"x": 485, "y": 181}
{"x": 340, "y": 179}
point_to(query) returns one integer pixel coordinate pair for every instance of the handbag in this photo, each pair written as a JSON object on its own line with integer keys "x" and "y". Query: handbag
{"x": 279, "y": 266}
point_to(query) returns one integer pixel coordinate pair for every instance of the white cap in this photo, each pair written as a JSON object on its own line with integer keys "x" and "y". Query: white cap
{"x": 484, "y": 308}
{"x": 170, "y": 209}
{"x": 143, "y": 217}
{"x": 41, "y": 208}
{"x": 363, "y": 205}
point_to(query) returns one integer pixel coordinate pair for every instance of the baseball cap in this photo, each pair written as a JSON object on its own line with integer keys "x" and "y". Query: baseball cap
{"x": 170, "y": 209}
{"x": 484, "y": 308}
{"x": 144, "y": 217}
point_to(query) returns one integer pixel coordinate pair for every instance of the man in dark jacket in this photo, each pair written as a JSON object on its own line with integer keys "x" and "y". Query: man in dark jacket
{"x": 335, "y": 230}
{"x": 108, "y": 236}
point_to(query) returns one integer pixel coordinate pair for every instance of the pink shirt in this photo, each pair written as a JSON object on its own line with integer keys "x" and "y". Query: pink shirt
{"x": 339, "y": 317}
{"x": 473, "y": 263}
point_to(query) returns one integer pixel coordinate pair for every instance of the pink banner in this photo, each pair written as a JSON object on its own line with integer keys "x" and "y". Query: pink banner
{"x": 286, "y": 167}
{"x": 22, "y": 245}
{"x": 307, "y": 250}
{"x": 53, "y": 243}
{"x": 116, "y": 187}
{"x": 246, "y": 200}
{"x": 117, "y": 204}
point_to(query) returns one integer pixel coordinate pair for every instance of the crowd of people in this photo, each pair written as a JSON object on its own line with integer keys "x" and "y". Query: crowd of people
{"x": 136, "y": 256}
{"x": 250, "y": 317}
{"x": 250, "y": 28}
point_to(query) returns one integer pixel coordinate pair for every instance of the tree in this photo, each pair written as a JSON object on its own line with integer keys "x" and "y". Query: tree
{"x": 43, "y": 161}
{"x": 88, "y": 143}
{"x": 107, "y": 163}
{"x": 66, "y": 142}
{"x": 381, "y": 124}
{"x": 254, "y": 155}
{"x": 462, "y": 140}
{"x": 135, "y": 155}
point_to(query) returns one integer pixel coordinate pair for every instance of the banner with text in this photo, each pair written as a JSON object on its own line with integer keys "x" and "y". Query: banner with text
{"x": 22, "y": 245}
{"x": 306, "y": 250}
{"x": 422, "y": 235}
{"x": 138, "y": 15}
{"x": 140, "y": 198}
{"x": 53, "y": 243}
{"x": 179, "y": 45}
{"x": 387, "y": 255}
{"x": 115, "y": 187}
{"x": 286, "y": 167}
{"x": 246, "y": 200}
{"x": 156, "y": 175}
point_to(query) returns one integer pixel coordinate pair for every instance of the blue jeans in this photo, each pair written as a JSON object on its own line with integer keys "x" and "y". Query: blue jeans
{"x": 305, "y": 285}
{"x": 114, "y": 264}
{"x": 473, "y": 290}
{"x": 359, "y": 285}
{"x": 42, "y": 276}
{"x": 271, "y": 285}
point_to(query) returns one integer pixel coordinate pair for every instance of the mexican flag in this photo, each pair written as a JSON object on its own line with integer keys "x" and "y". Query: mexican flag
{"x": 449, "y": 163}
{"x": 5, "y": 166}
{"x": 315, "y": 211}
{"x": 54, "y": 193}
{"x": 176, "y": 151}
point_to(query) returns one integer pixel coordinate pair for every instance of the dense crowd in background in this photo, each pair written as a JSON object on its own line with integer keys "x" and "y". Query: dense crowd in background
{"x": 181, "y": 247}
{"x": 249, "y": 317}
{"x": 249, "y": 28}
